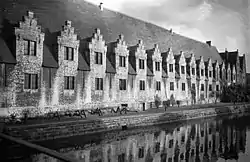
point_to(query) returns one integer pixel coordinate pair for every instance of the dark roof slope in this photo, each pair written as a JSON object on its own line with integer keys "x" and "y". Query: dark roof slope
{"x": 5, "y": 53}
{"x": 48, "y": 59}
{"x": 86, "y": 17}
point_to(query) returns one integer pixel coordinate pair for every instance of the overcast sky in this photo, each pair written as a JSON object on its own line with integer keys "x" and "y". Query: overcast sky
{"x": 224, "y": 22}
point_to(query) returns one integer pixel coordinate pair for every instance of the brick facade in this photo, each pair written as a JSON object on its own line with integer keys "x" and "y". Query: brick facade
{"x": 91, "y": 73}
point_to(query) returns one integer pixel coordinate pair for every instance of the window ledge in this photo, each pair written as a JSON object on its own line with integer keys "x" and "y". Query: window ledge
{"x": 69, "y": 91}
{"x": 98, "y": 92}
{"x": 31, "y": 90}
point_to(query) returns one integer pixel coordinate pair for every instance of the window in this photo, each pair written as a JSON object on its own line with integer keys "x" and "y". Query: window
{"x": 141, "y": 152}
{"x": 141, "y": 64}
{"x": 68, "y": 53}
{"x": 171, "y": 86}
{"x": 158, "y": 85}
{"x": 157, "y": 147}
{"x": 193, "y": 71}
{"x": 182, "y": 139}
{"x": 69, "y": 82}
{"x": 157, "y": 66}
{"x": 183, "y": 86}
{"x": 210, "y": 87}
{"x": 183, "y": 69}
{"x": 142, "y": 85}
{"x": 202, "y": 72}
{"x": 121, "y": 157}
{"x": 171, "y": 68}
{"x": 210, "y": 74}
{"x": 193, "y": 86}
{"x": 122, "y": 61}
{"x": 98, "y": 58}
{"x": 122, "y": 84}
{"x": 29, "y": 48}
{"x": 217, "y": 88}
{"x": 202, "y": 87}
{"x": 202, "y": 133}
{"x": 99, "y": 83}
{"x": 171, "y": 143}
{"x": 30, "y": 81}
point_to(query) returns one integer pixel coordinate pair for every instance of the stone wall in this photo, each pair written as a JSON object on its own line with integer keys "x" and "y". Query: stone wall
{"x": 66, "y": 129}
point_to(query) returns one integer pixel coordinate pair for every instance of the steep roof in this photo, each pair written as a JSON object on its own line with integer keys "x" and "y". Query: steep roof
{"x": 48, "y": 59}
{"x": 5, "y": 53}
{"x": 86, "y": 17}
{"x": 82, "y": 64}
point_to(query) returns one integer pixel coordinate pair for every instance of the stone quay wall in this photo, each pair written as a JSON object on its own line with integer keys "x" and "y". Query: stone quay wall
{"x": 40, "y": 132}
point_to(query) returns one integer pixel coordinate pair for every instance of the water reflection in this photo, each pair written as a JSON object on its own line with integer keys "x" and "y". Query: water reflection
{"x": 201, "y": 141}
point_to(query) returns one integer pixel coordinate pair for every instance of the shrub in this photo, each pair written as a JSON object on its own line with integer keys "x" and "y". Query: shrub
{"x": 178, "y": 102}
{"x": 157, "y": 101}
{"x": 172, "y": 100}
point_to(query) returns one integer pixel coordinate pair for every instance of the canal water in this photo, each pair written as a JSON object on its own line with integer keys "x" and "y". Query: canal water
{"x": 216, "y": 139}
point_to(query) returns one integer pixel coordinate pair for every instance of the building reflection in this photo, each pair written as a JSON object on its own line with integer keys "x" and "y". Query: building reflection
{"x": 206, "y": 141}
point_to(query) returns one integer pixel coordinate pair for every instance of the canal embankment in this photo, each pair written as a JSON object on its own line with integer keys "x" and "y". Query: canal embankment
{"x": 62, "y": 129}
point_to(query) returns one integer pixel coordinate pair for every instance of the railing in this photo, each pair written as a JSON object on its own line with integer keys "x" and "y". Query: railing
{"x": 41, "y": 150}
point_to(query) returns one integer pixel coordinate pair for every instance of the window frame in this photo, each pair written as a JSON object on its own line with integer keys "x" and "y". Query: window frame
{"x": 182, "y": 69}
{"x": 183, "y": 86}
{"x": 98, "y": 58}
{"x": 30, "y": 77}
{"x": 68, "y": 53}
{"x": 99, "y": 84}
{"x": 142, "y": 85}
{"x": 122, "y": 84}
{"x": 141, "y": 64}
{"x": 171, "y": 68}
{"x": 69, "y": 82}
{"x": 158, "y": 85}
{"x": 29, "y": 49}
{"x": 171, "y": 86}
{"x": 122, "y": 61}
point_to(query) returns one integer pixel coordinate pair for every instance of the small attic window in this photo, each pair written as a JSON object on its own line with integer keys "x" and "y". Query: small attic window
{"x": 101, "y": 6}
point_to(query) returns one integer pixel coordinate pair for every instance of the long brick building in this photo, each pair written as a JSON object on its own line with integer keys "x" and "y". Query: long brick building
{"x": 76, "y": 55}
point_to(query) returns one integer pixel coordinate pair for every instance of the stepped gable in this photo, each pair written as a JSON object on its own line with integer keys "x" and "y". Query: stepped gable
{"x": 86, "y": 17}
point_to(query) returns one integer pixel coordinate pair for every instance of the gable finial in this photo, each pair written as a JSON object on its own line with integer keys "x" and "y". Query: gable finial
{"x": 30, "y": 14}
{"x": 156, "y": 46}
{"x": 121, "y": 37}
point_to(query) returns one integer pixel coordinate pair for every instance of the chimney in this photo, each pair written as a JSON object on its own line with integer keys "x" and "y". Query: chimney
{"x": 101, "y": 6}
{"x": 68, "y": 23}
{"x": 208, "y": 43}
{"x": 30, "y": 14}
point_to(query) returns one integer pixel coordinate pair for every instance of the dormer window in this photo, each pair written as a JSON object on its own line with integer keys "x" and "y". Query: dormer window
{"x": 68, "y": 53}
{"x": 210, "y": 73}
{"x": 141, "y": 64}
{"x": 202, "y": 72}
{"x": 157, "y": 66}
{"x": 29, "y": 48}
{"x": 98, "y": 58}
{"x": 193, "y": 71}
{"x": 171, "y": 68}
{"x": 182, "y": 70}
{"x": 122, "y": 61}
